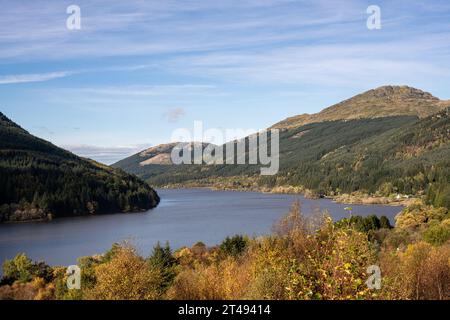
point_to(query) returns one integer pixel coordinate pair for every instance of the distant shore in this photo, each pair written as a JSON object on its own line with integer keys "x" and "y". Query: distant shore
{"x": 345, "y": 198}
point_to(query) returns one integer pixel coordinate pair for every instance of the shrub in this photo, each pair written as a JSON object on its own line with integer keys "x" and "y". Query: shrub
{"x": 23, "y": 269}
{"x": 226, "y": 280}
{"x": 37, "y": 289}
{"x": 437, "y": 234}
{"x": 417, "y": 215}
{"x": 421, "y": 272}
{"x": 18, "y": 269}
{"x": 126, "y": 277}
{"x": 233, "y": 246}
{"x": 385, "y": 223}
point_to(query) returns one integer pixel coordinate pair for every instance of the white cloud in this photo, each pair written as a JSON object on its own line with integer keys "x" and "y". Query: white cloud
{"x": 34, "y": 77}
{"x": 146, "y": 90}
{"x": 310, "y": 42}
{"x": 149, "y": 27}
{"x": 350, "y": 64}
{"x": 41, "y": 77}
{"x": 143, "y": 96}
{"x": 251, "y": 42}
{"x": 173, "y": 115}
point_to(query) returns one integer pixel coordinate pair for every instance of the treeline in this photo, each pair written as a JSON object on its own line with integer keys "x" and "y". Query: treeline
{"x": 304, "y": 259}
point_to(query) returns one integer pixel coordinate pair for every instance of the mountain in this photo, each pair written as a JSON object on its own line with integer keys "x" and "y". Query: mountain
{"x": 40, "y": 181}
{"x": 386, "y": 101}
{"x": 156, "y": 160}
{"x": 342, "y": 152}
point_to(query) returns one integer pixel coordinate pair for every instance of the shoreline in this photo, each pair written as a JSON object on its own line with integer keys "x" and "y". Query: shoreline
{"x": 350, "y": 199}
{"x": 47, "y": 220}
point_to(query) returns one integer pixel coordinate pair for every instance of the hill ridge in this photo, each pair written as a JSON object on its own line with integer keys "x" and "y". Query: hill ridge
{"x": 380, "y": 102}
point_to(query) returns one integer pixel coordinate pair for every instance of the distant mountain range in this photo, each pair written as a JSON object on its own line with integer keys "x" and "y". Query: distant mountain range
{"x": 393, "y": 139}
{"x": 39, "y": 181}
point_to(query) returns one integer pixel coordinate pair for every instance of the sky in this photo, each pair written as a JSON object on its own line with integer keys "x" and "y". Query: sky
{"x": 137, "y": 70}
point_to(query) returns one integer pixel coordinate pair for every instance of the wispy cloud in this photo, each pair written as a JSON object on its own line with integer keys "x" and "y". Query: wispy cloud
{"x": 41, "y": 77}
{"x": 249, "y": 40}
{"x": 35, "y": 77}
{"x": 152, "y": 27}
{"x": 142, "y": 97}
{"x": 350, "y": 64}
{"x": 173, "y": 115}
{"x": 146, "y": 90}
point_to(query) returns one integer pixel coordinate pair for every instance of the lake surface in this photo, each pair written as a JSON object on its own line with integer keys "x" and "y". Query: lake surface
{"x": 183, "y": 218}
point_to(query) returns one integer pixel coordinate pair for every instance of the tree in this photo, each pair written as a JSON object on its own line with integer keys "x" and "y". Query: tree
{"x": 18, "y": 269}
{"x": 233, "y": 246}
{"x": 162, "y": 260}
{"x": 126, "y": 277}
{"x": 385, "y": 223}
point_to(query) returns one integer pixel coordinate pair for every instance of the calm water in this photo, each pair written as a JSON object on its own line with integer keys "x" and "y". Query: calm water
{"x": 182, "y": 218}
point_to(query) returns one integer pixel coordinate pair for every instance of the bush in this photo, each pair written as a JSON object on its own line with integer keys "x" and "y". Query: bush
{"x": 22, "y": 269}
{"x": 37, "y": 289}
{"x": 385, "y": 223}
{"x": 233, "y": 246}
{"x": 126, "y": 277}
{"x": 437, "y": 234}
{"x": 417, "y": 215}
{"x": 18, "y": 269}
{"x": 397, "y": 239}
{"x": 225, "y": 280}
{"x": 421, "y": 272}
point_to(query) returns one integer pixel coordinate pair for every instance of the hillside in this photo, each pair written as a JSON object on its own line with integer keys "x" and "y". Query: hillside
{"x": 154, "y": 160}
{"x": 41, "y": 181}
{"x": 382, "y": 155}
{"x": 386, "y": 101}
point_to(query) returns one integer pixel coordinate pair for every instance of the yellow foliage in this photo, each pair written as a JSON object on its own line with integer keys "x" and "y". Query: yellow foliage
{"x": 421, "y": 272}
{"x": 126, "y": 277}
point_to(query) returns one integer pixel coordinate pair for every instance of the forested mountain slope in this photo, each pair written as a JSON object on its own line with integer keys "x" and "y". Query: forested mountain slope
{"x": 40, "y": 181}
{"x": 383, "y": 155}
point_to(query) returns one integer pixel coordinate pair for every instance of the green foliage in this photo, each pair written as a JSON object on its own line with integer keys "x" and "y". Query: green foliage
{"x": 18, "y": 269}
{"x": 437, "y": 234}
{"x": 233, "y": 246}
{"x": 384, "y": 156}
{"x": 40, "y": 181}
{"x": 366, "y": 224}
{"x": 108, "y": 255}
{"x": 162, "y": 257}
{"x": 438, "y": 194}
{"x": 23, "y": 269}
{"x": 385, "y": 223}
{"x": 163, "y": 260}
{"x": 417, "y": 216}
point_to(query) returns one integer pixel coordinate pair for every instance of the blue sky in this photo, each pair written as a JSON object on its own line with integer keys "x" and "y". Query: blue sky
{"x": 137, "y": 70}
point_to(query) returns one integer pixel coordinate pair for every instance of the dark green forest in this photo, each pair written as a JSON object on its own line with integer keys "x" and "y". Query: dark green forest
{"x": 41, "y": 181}
{"x": 383, "y": 156}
